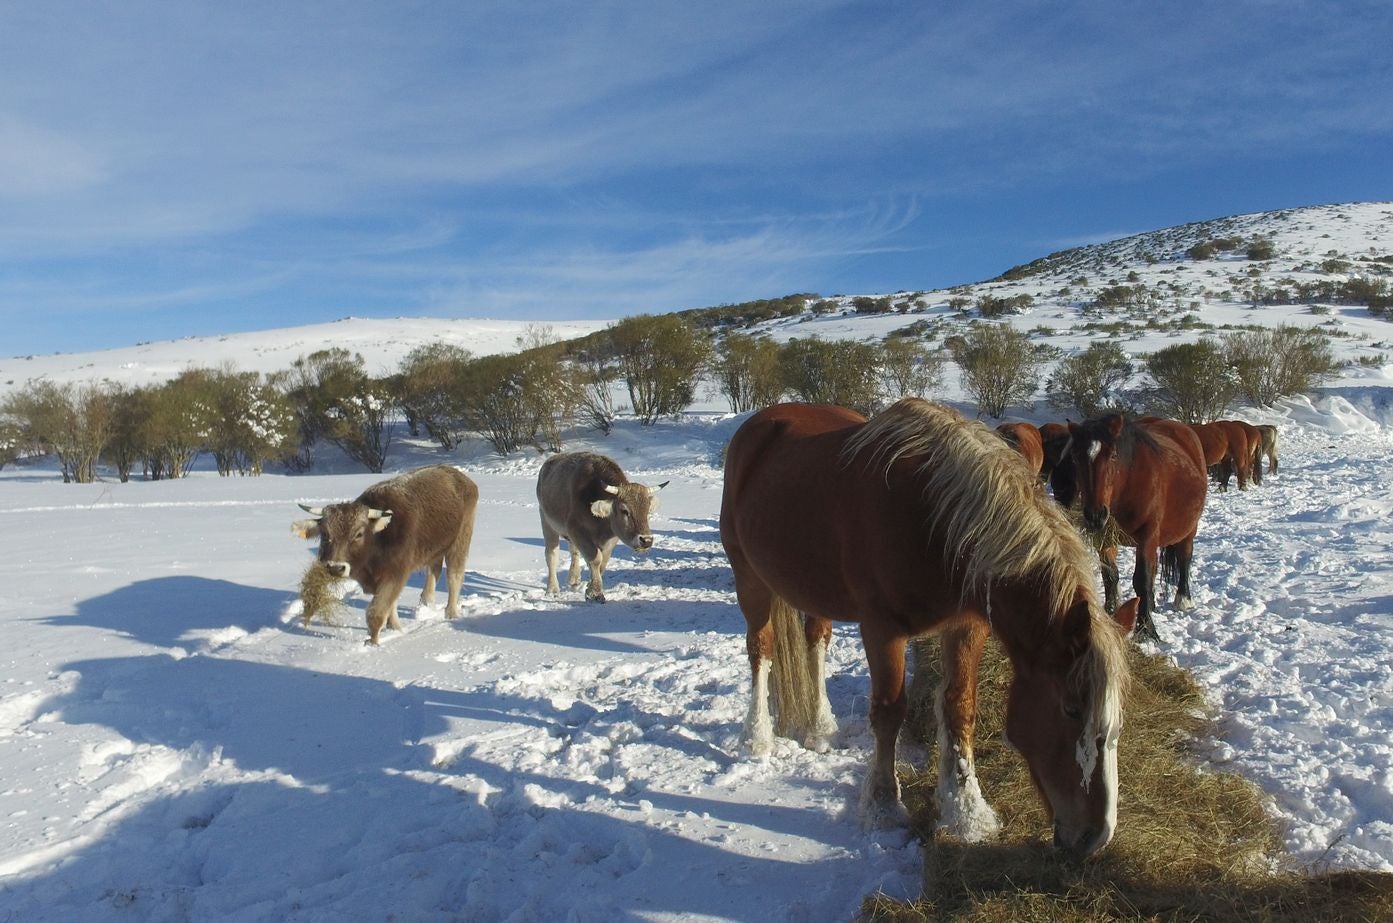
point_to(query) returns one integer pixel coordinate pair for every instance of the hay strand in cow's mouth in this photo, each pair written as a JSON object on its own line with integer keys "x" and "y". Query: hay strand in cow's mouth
{"x": 319, "y": 595}
{"x": 1192, "y": 843}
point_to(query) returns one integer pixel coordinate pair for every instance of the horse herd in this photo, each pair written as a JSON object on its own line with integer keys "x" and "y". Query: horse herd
{"x": 916, "y": 521}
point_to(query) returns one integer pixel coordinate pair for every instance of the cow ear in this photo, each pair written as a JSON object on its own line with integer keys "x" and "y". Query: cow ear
{"x": 382, "y": 522}
{"x": 602, "y": 508}
{"x": 305, "y": 528}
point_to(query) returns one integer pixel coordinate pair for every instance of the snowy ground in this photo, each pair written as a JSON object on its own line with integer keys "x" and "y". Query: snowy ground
{"x": 175, "y": 746}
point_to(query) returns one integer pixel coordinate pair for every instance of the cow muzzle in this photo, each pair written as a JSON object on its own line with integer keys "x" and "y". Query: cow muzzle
{"x": 338, "y": 568}
{"x": 643, "y": 543}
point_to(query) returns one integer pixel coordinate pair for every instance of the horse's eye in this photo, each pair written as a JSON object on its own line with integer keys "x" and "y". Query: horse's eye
{"x": 1073, "y": 712}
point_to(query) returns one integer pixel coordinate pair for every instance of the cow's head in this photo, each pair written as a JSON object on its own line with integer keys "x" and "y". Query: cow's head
{"x": 346, "y": 534}
{"x": 627, "y": 510}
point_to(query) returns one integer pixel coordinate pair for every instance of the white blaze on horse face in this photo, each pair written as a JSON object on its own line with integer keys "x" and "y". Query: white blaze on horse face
{"x": 1094, "y": 448}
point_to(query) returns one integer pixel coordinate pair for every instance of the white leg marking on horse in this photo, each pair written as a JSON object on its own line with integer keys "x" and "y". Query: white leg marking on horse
{"x": 759, "y": 725}
{"x": 824, "y": 724}
{"x": 962, "y": 810}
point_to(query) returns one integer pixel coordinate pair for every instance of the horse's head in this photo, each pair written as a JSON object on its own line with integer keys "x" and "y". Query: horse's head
{"x": 1093, "y": 454}
{"x": 1064, "y": 714}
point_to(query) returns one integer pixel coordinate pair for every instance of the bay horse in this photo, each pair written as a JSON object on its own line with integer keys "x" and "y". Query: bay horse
{"x": 1218, "y": 455}
{"x": 1240, "y": 450}
{"x": 921, "y": 521}
{"x": 1025, "y": 439}
{"x": 1054, "y": 441}
{"x": 1149, "y": 474}
{"x": 1255, "y": 448}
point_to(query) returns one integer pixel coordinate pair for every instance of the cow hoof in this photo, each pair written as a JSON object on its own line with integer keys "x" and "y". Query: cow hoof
{"x": 451, "y": 615}
{"x": 595, "y": 597}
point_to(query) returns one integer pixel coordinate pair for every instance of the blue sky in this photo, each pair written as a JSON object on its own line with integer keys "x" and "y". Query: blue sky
{"x": 173, "y": 169}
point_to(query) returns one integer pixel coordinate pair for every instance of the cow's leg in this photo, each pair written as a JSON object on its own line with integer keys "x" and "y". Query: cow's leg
{"x": 455, "y": 560}
{"x": 880, "y": 793}
{"x": 961, "y": 808}
{"x": 598, "y": 558}
{"x": 432, "y": 578}
{"x": 383, "y": 609}
{"x": 551, "y": 539}
{"x": 573, "y": 580}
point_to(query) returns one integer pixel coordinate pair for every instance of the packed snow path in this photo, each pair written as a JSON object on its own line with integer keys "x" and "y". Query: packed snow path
{"x": 175, "y": 746}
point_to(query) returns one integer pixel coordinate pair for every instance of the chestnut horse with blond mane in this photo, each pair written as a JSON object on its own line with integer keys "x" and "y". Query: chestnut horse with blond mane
{"x": 922, "y": 521}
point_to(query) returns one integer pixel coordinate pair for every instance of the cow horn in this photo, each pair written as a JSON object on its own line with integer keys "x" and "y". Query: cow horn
{"x": 315, "y": 511}
{"x": 611, "y": 489}
{"x": 378, "y": 514}
{"x": 654, "y": 490}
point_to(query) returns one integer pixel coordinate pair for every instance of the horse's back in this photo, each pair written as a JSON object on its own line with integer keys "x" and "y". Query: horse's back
{"x": 1181, "y": 478}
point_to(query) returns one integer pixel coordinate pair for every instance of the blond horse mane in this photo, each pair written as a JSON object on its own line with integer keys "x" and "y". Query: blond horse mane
{"x": 997, "y": 525}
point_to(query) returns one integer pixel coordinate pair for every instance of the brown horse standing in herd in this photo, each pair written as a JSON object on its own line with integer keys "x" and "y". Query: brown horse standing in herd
{"x": 1149, "y": 475}
{"x": 921, "y": 521}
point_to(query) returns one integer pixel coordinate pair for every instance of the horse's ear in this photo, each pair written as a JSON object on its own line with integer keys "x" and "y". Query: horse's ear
{"x": 1078, "y": 622}
{"x": 1126, "y": 615}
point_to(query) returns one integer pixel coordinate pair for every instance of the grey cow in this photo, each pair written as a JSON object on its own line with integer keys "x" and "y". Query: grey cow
{"x": 586, "y": 499}
{"x": 419, "y": 520}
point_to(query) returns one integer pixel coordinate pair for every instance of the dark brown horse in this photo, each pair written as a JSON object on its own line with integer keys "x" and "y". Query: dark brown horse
{"x": 1149, "y": 475}
{"x": 1025, "y": 439}
{"x": 921, "y": 521}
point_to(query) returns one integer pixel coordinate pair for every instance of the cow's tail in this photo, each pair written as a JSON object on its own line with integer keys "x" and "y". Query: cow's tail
{"x": 792, "y": 679}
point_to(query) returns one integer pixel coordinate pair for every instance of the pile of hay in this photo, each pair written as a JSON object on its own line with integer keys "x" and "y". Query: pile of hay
{"x": 320, "y": 595}
{"x": 1191, "y": 844}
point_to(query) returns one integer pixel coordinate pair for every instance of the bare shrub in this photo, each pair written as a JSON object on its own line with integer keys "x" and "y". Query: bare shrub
{"x": 746, "y": 371}
{"x": 909, "y": 368}
{"x": 1090, "y": 381}
{"x": 1279, "y": 361}
{"x": 1191, "y": 381}
{"x": 999, "y": 366}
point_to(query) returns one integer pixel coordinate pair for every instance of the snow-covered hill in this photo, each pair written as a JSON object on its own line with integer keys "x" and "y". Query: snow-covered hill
{"x": 176, "y": 746}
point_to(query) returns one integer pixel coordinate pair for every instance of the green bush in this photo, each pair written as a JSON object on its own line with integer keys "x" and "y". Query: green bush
{"x": 840, "y": 372}
{"x": 660, "y": 358}
{"x": 866, "y": 305}
{"x": 747, "y": 372}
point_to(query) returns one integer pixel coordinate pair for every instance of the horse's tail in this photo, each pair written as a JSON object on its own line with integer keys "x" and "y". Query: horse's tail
{"x": 1170, "y": 566}
{"x": 1272, "y": 451}
{"x": 791, "y": 683}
